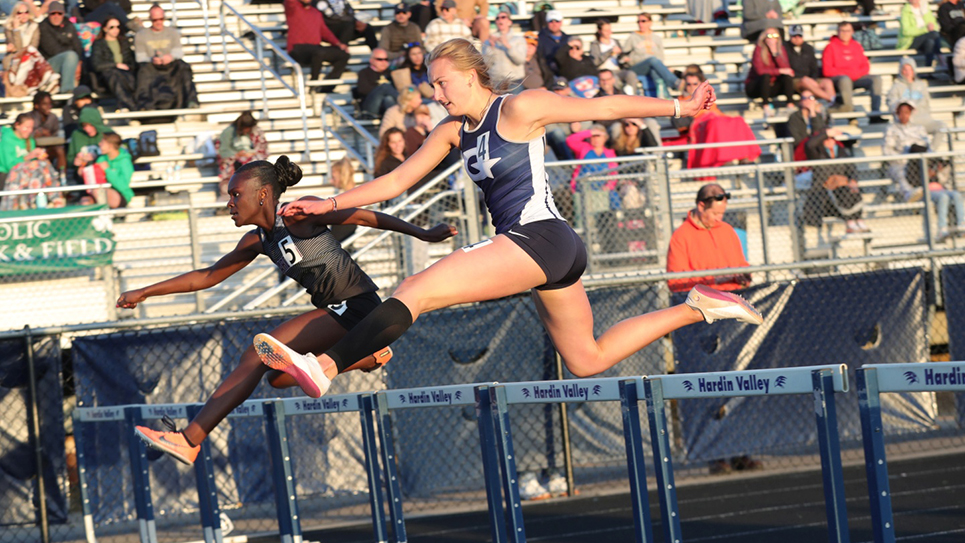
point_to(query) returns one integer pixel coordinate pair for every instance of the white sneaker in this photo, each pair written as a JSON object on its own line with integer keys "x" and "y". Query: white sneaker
{"x": 716, "y": 305}
{"x": 530, "y": 488}
{"x": 557, "y": 484}
{"x": 303, "y": 367}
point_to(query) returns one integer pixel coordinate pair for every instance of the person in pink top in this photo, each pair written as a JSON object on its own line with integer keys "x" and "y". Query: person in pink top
{"x": 587, "y": 144}
{"x": 844, "y": 62}
{"x": 771, "y": 73}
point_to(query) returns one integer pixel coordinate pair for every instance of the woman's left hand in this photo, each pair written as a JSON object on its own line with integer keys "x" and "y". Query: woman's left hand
{"x": 703, "y": 98}
{"x": 439, "y": 232}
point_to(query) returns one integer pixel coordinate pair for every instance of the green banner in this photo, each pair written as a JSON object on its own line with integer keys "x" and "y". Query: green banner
{"x": 41, "y": 242}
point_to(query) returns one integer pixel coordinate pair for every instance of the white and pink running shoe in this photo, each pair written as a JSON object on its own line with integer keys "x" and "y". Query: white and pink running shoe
{"x": 303, "y": 367}
{"x": 716, "y": 305}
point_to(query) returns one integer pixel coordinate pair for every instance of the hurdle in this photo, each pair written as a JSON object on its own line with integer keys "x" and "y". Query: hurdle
{"x": 873, "y": 380}
{"x": 821, "y": 381}
{"x": 274, "y": 413}
{"x": 500, "y": 461}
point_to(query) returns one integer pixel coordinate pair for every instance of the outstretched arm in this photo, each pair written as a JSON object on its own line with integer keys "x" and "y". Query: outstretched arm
{"x": 247, "y": 249}
{"x": 437, "y": 145}
{"x": 535, "y": 109}
{"x": 375, "y": 219}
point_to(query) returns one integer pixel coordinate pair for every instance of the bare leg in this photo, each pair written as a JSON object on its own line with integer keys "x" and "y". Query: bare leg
{"x": 823, "y": 89}
{"x": 568, "y": 319}
{"x": 313, "y": 331}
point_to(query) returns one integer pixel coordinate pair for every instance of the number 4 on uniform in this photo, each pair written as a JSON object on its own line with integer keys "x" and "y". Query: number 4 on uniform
{"x": 290, "y": 252}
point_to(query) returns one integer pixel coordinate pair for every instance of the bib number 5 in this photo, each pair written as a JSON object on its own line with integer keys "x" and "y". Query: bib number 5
{"x": 289, "y": 251}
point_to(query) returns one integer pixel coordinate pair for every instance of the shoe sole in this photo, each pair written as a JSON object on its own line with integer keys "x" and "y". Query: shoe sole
{"x": 279, "y": 357}
{"x": 155, "y": 445}
{"x": 748, "y": 309}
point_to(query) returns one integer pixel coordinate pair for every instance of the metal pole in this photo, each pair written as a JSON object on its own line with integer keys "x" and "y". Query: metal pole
{"x": 224, "y": 41}
{"x": 35, "y": 437}
{"x": 260, "y": 57}
{"x": 194, "y": 233}
{"x": 762, "y": 213}
{"x": 565, "y": 431}
{"x": 929, "y": 210}
{"x": 328, "y": 159}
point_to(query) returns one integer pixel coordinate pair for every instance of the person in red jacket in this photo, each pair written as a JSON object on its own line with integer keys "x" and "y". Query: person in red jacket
{"x": 705, "y": 242}
{"x": 771, "y": 73}
{"x": 845, "y": 63}
{"x": 306, "y": 32}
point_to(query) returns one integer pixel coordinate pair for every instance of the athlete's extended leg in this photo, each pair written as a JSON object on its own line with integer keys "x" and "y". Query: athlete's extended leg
{"x": 472, "y": 274}
{"x": 568, "y": 319}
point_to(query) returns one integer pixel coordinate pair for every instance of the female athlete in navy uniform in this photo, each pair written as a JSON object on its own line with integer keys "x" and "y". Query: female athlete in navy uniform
{"x": 501, "y": 138}
{"x": 305, "y": 249}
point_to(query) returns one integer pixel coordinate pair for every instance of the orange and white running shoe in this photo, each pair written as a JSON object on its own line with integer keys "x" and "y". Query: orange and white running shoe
{"x": 172, "y": 443}
{"x": 716, "y": 305}
{"x": 303, "y": 367}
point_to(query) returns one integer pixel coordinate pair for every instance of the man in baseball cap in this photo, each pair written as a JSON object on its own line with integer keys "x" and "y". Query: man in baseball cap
{"x": 60, "y": 45}
{"x": 551, "y": 38}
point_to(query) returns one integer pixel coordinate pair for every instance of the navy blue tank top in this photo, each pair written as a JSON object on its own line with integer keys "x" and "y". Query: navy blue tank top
{"x": 510, "y": 173}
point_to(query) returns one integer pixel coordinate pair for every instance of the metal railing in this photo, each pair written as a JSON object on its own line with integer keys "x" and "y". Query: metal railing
{"x": 261, "y": 41}
{"x": 363, "y": 138}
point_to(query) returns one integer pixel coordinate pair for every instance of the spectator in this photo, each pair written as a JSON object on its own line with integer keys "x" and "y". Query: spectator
{"x": 339, "y": 17}
{"x": 505, "y": 51}
{"x": 834, "y": 190}
{"x": 446, "y": 27}
{"x": 958, "y": 62}
{"x": 536, "y": 72}
{"x": 47, "y": 129}
{"x": 705, "y": 242}
{"x": 399, "y": 33}
{"x": 391, "y": 151}
{"x": 60, "y": 45}
{"x": 919, "y": 31}
{"x": 557, "y": 133}
{"x": 810, "y": 118}
{"x": 81, "y": 98}
{"x": 417, "y": 133}
{"x": 373, "y": 89}
{"x": 413, "y": 72}
{"x": 708, "y": 11}
{"x": 845, "y": 62}
{"x": 804, "y": 62}
{"x": 24, "y": 166}
{"x": 761, "y": 15}
{"x": 342, "y": 177}
{"x": 573, "y": 62}
{"x": 909, "y": 87}
{"x": 605, "y": 52}
{"x": 240, "y": 142}
{"x": 21, "y": 32}
{"x": 84, "y": 146}
{"x": 633, "y": 135}
{"x": 401, "y": 115}
{"x": 951, "y": 21}
{"x": 712, "y": 126}
{"x": 608, "y": 88}
{"x": 9, "y": 8}
{"x": 118, "y": 169}
{"x": 771, "y": 73}
{"x": 905, "y": 136}
{"x": 550, "y": 39}
{"x": 113, "y": 61}
{"x": 590, "y": 144}
{"x": 474, "y": 14}
{"x": 306, "y": 32}
{"x": 645, "y": 53}
{"x": 164, "y": 80}
{"x": 422, "y": 12}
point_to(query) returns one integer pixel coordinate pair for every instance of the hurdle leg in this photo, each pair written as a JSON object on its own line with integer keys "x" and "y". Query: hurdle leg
{"x": 636, "y": 464}
{"x": 372, "y": 471}
{"x": 876, "y": 465}
{"x": 393, "y": 488}
{"x": 504, "y": 444}
{"x": 141, "y": 479}
{"x": 207, "y": 491}
{"x": 490, "y": 459}
{"x": 82, "y": 479}
{"x": 660, "y": 441}
{"x": 289, "y": 526}
{"x": 831, "y": 471}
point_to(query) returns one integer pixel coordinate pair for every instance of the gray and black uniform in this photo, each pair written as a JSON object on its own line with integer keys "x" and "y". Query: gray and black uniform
{"x": 326, "y": 270}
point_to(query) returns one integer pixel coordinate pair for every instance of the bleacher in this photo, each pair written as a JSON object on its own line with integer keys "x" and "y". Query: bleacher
{"x": 151, "y": 245}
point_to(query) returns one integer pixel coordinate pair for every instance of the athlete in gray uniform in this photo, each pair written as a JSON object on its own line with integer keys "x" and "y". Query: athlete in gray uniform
{"x": 502, "y": 140}
{"x": 305, "y": 249}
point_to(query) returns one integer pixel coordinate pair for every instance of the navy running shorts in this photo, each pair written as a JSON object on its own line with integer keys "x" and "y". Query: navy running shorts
{"x": 555, "y": 247}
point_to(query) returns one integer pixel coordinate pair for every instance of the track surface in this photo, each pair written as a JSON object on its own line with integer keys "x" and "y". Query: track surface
{"x": 928, "y": 497}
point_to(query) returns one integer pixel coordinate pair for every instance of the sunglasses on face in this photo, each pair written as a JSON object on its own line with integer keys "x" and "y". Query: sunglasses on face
{"x": 773, "y": 35}
{"x": 717, "y": 197}
{"x": 576, "y": 47}
{"x": 498, "y": 17}
{"x": 21, "y": 13}
{"x": 643, "y": 20}
{"x": 807, "y": 98}
{"x": 112, "y": 27}
{"x": 380, "y": 59}
{"x": 156, "y": 20}
{"x": 57, "y": 13}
